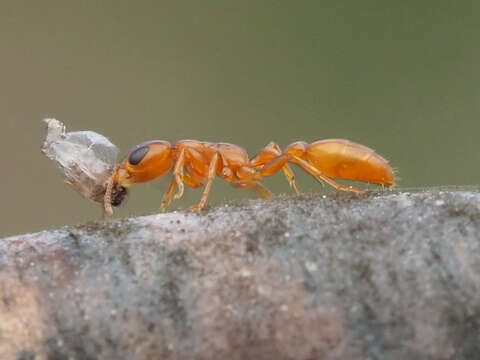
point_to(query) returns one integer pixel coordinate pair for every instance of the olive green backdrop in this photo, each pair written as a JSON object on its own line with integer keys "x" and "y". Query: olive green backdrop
{"x": 402, "y": 77}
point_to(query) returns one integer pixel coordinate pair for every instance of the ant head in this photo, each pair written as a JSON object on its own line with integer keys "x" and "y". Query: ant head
{"x": 143, "y": 163}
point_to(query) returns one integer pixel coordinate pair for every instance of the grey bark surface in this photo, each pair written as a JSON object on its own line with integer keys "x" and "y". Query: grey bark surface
{"x": 380, "y": 276}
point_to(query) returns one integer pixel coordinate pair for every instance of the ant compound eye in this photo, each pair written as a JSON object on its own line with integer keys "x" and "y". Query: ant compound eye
{"x": 137, "y": 155}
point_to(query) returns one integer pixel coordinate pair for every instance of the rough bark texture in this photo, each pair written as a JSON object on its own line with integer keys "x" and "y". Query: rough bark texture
{"x": 381, "y": 276}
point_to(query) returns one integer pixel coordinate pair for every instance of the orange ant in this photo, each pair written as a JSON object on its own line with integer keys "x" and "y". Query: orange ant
{"x": 196, "y": 164}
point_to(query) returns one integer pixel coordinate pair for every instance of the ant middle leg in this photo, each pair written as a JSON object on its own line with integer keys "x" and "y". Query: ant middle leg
{"x": 212, "y": 169}
{"x": 178, "y": 175}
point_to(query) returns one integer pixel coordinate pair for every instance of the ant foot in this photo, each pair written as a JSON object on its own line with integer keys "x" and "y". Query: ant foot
{"x": 196, "y": 208}
{"x": 179, "y": 193}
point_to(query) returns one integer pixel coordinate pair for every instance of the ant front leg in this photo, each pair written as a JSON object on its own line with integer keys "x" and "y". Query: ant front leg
{"x": 177, "y": 180}
{"x": 178, "y": 174}
{"x": 212, "y": 169}
{"x": 168, "y": 195}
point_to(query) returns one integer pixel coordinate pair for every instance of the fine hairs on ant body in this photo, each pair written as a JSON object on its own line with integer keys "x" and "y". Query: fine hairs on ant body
{"x": 196, "y": 163}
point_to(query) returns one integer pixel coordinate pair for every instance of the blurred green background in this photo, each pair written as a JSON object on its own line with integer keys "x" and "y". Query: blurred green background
{"x": 401, "y": 77}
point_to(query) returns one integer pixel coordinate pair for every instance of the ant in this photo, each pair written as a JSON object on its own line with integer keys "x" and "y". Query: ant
{"x": 196, "y": 163}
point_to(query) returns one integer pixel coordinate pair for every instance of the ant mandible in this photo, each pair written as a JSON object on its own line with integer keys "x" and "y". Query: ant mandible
{"x": 196, "y": 163}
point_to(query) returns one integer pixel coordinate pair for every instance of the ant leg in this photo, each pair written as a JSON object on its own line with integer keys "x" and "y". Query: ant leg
{"x": 275, "y": 165}
{"x": 168, "y": 195}
{"x": 287, "y": 171}
{"x": 177, "y": 180}
{"x": 178, "y": 175}
{"x": 319, "y": 176}
{"x": 264, "y": 158}
{"x": 262, "y": 190}
{"x": 212, "y": 169}
{"x": 257, "y": 186}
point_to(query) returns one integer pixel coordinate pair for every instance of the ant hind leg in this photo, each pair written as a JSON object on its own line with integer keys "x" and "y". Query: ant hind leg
{"x": 321, "y": 177}
{"x": 270, "y": 160}
{"x": 261, "y": 189}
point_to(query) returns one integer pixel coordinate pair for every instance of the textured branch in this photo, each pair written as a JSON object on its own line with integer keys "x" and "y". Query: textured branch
{"x": 342, "y": 277}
